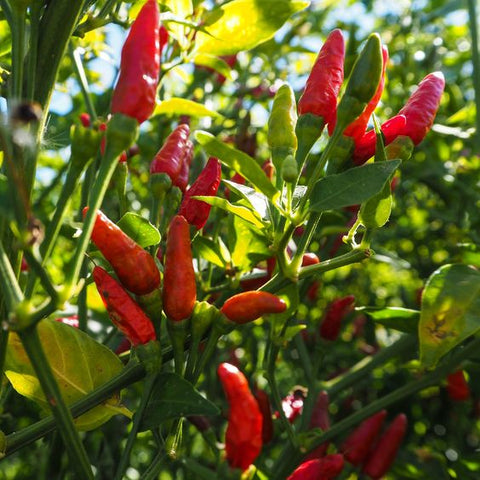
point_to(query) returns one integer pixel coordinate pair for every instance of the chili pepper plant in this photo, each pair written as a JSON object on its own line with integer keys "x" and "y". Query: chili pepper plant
{"x": 188, "y": 291}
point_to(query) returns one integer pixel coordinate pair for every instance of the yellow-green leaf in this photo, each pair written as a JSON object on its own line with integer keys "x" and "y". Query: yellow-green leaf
{"x": 181, "y": 106}
{"x": 79, "y": 364}
{"x": 244, "y": 24}
{"x": 211, "y": 61}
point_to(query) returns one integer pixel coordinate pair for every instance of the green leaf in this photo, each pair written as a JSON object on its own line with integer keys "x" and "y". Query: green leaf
{"x": 351, "y": 187}
{"x": 256, "y": 200}
{"x": 216, "y": 63}
{"x": 238, "y": 161}
{"x": 139, "y": 229}
{"x": 210, "y": 251}
{"x": 6, "y": 205}
{"x": 248, "y": 245}
{"x": 242, "y": 212}
{"x": 450, "y": 311}
{"x": 174, "y": 397}
{"x": 375, "y": 212}
{"x": 181, "y": 106}
{"x": 79, "y": 363}
{"x": 182, "y": 9}
{"x": 243, "y": 24}
{"x": 401, "y": 319}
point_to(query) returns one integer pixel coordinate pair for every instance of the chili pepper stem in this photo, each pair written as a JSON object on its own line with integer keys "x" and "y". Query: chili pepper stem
{"x": 132, "y": 436}
{"x": 78, "y": 456}
{"x": 153, "y": 470}
{"x": 18, "y": 49}
{"x": 174, "y": 439}
{"x": 177, "y": 332}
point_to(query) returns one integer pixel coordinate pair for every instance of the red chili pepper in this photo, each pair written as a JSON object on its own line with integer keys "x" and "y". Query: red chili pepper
{"x": 330, "y": 327}
{"x": 124, "y": 312}
{"x": 135, "y": 268}
{"x": 383, "y": 454}
{"x": 248, "y": 306}
{"x": 358, "y": 444}
{"x": 163, "y": 38}
{"x": 170, "y": 158}
{"x": 264, "y": 406}
{"x": 179, "y": 289}
{"x": 325, "y": 468}
{"x": 422, "y": 106}
{"x": 182, "y": 180}
{"x": 195, "y": 211}
{"x": 292, "y": 405}
{"x": 310, "y": 258}
{"x": 243, "y": 439}
{"x": 72, "y": 320}
{"x": 457, "y": 386}
{"x": 135, "y": 92}
{"x": 85, "y": 120}
{"x": 326, "y": 78}
{"x": 358, "y": 127}
{"x": 320, "y": 419}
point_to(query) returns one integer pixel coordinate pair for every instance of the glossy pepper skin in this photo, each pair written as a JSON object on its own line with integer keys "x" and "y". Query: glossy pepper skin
{"x": 195, "y": 211}
{"x": 248, "y": 306}
{"x": 330, "y": 327}
{"x": 243, "y": 439}
{"x": 124, "y": 312}
{"x": 324, "y": 82}
{"x": 383, "y": 454}
{"x": 135, "y": 91}
{"x": 457, "y": 386}
{"x": 422, "y": 106}
{"x": 171, "y": 157}
{"x": 179, "y": 288}
{"x": 135, "y": 268}
{"x": 326, "y": 468}
{"x": 357, "y": 445}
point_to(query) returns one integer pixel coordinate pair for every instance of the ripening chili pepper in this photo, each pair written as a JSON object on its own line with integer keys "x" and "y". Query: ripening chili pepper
{"x": 457, "y": 386}
{"x": 182, "y": 180}
{"x": 179, "y": 289}
{"x": 326, "y": 468}
{"x": 362, "y": 83}
{"x": 195, "y": 211}
{"x": 309, "y": 258}
{"x": 358, "y": 127}
{"x": 292, "y": 405}
{"x": 383, "y": 454}
{"x": 170, "y": 158}
{"x": 320, "y": 419}
{"x": 135, "y": 268}
{"x": 365, "y": 146}
{"x": 324, "y": 82}
{"x": 264, "y": 406}
{"x": 281, "y": 126}
{"x": 248, "y": 306}
{"x": 135, "y": 92}
{"x": 337, "y": 310}
{"x": 243, "y": 438}
{"x": 357, "y": 445}
{"x": 124, "y": 312}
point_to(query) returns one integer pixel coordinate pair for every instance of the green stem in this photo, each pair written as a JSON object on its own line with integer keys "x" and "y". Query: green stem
{"x": 153, "y": 470}
{"x": 363, "y": 368}
{"x": 78, "y": 456}
{"x": 277, "y": 399}
{"x": 36, "y": 266}
{"x": 7, "y": 11}
{"x": 473, "y": 22}
{"x": 429, "y": 379}
{"x": 132, "y": 373}
{"x": 106, "y": 9}
{"x": 82, "y": 80}
{"x": 35, "y": 9}
{"x": 3, "y": 349}
{"x": 132, "y": 436}
{"x": 18, "y": 51}
{"x": 9, "y": 286}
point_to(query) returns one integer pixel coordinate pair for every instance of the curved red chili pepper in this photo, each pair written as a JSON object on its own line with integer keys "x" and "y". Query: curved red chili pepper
{"x": 170, "y": 158}
{"x": 320, "y": 419}
{"x": 330, "y": 327}
{"x": 457, "y": 386}
{"x": 358, "y": 127}
{"x": 243, "y": 438}
{"x": 383, "y": 454}
{"x": 248, "y": 306}
{"x": 195, "y": 211}
{"x": 357, "y": 445}
{"x": 326, "y": 78}
{"x": 422, "y": 106}
{"x": 124, "y": 312}
{"x": 135, "y": 268}
{"x": 326, "y": 468}
{"x": 179, "y": 288}
{"x": 135, "y": 92}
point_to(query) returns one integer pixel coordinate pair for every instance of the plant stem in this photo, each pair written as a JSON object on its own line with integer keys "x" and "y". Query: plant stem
{"x": 473, "y": 22}
{"x": 132, "y": 436}
{"x": 152, "y": 472}
{"x": 35, "y": 9}
{"x": 78, "y": 456}
{"x": 7, "y": 11}
{"x": 18, "y": 51}
{"x": 3, "y": 348}
{"x": 132, "y": 373}
{"x": 9, "y": 286}
{"x": 36, "y": 266}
